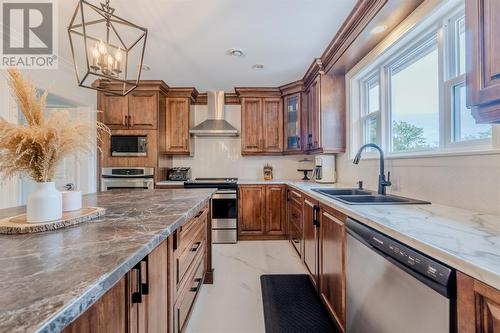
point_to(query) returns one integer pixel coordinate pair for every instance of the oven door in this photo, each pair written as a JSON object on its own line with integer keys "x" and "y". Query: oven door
{"x": 224, "y": 209}
{"x": 126, "y": 184}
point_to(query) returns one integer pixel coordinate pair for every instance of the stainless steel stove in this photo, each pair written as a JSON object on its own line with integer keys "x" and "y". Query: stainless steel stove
{"x": 224, "y": 207}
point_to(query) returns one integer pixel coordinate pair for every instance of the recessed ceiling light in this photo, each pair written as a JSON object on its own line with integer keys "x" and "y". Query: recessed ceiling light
{"x": 235, "y": 52}
{"x": 258, "y": 67}
{"x": 378, "y": 29}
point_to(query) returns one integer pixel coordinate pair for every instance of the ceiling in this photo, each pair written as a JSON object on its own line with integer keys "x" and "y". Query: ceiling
{"x": 188, "y": 39}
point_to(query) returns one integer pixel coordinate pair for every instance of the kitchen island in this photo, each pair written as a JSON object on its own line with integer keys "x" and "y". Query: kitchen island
{"x": 49, "y": 279}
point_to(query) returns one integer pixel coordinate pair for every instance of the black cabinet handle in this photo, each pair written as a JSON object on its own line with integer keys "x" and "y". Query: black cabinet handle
{"x": 136, "y": 295}
{"x": 294, "y": 215}
{"x": 145, "y": 286}
{"x": 295, "y": 240}
{"x": 198, "y": 282}
{"x": 196, "y": 246}
{"x": 316, "y": 216}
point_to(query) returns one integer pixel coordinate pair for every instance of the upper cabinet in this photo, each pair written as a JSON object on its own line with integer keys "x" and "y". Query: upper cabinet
{"x": 137, "y": 111}
{"x": 261, "y": 121}
{"x": 175, "y": 121}
{"x": 324, "y": 114}
{"x": 483, "y": 59}
{"x": 292, "y": 102}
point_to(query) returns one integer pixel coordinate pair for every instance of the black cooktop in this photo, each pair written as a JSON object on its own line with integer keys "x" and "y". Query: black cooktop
{"x": 212, "y": 183}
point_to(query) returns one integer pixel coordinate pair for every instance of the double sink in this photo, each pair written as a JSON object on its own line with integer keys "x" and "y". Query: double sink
{"x": 352, "y": 196}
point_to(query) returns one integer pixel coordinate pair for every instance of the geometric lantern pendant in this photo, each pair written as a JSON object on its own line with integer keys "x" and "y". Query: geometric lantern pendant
{"x": 106, "y": 49}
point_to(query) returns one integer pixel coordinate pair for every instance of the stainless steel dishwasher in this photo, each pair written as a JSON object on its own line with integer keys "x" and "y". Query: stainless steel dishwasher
{"x": 392, "y": 288}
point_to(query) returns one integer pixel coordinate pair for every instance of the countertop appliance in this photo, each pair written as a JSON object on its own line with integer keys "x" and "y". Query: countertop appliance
{"x": 179, "y": 174}
{"x": 127, "y": 178}
{"x": 393, "y": 288}
{"x": 224, "y": 207}
{"x": 324, "y": 170}
{"x": 129, "y": 145}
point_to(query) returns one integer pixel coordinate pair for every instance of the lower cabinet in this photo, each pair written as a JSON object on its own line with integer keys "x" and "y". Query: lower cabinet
{"x": 295, "y": 221}
{"x": 332, "y": 263}
{"x": 311, "y": 238}
{"x": 262, "y": 212}
{"x": 478, "y": 306}
{"x": 158, "y": 294}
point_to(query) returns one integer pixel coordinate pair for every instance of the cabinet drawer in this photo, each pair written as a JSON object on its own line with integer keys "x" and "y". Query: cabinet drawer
{"x": 185, "y": 302}
{"x": 189, "y": 230}
{"x": 296, "y": 198}
{"x": 296, "y": 239}
{"x": 296, "y": 216}
{"x": 186, "y": 258}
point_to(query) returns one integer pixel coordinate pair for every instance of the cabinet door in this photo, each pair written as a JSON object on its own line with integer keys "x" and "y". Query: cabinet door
{"x": 332, "y": 269}
{"x": 156, "y": 281}
{"x": 483, "y": 58}
{"x": 292, "y": 123}
{"x": 143, "y": 110}
{"x": 314, "y": 114}
{"x": 251, "y": 125}
{"x": 478, "y": 306}
{"x": 177, "y": 126}
{"x": 310, "y": 235}
{"x": 275, "y": 210}
{"x": 252, "y": 210}
{"x": 272, "y": 126}
{"x": 108, "y": 314}
{"x": 114, "y": 111}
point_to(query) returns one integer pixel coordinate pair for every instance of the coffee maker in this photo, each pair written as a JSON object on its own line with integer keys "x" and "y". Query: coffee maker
{"x": 324, "y": 170}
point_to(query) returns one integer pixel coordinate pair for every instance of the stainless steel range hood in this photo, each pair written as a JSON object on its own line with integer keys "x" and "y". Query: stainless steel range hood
{"x": 215, "y": 125}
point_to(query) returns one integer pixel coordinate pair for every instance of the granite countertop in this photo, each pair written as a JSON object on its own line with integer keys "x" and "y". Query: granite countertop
{"x": 465, "y": 240}
{"x": 49, "y": 279}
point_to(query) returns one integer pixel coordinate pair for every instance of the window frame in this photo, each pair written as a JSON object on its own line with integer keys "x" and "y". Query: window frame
{"x": 366, "y": 115}
{"x": 429, "y": 19}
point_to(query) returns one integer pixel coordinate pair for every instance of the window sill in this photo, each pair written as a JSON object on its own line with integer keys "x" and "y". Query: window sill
{"x": 433, "y": 154}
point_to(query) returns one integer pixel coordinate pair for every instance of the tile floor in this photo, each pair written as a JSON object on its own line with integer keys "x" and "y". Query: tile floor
{"x": 234, "y": 302}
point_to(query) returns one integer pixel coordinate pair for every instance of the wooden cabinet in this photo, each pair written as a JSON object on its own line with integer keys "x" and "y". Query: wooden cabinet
{"x": 143, "y": 110}
{"x": 292, "y": 123}
{"x": 483, "y": 59}
{"x": 261, "y": 121}
{"x": 262, "y": 212}
{"x": 175, "y": 121}
{"x": 261, "y": 126}
{"x": 108, "y": 314}
{"x": 158, "y": 293}
{"x": 332, "y": 263}
{"x": 295, "y": 221}
{"x": 275, "y": 210}
{"x": 251, "y": 125}
{"x": 311, "y": 238}
{"x": 252, "y": 207}
{"x": 137, "y": 111}
{"x": 478, "y": 306}
{"x": 324, "y": 114}
{"x": 174, "y": 127}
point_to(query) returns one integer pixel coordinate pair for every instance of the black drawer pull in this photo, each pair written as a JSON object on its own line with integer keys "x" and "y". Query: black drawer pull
{"x": 137, "y": 295}
{"x": 196, "y": 246}
{"x": 198, "y": 285}
{"x": 295, "y": 240}
{"x": 145, "y": 286}
{"x": 295, "y": 216}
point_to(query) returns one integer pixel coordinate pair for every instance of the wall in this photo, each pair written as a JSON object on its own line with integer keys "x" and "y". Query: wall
{"x": 221, "y": 157}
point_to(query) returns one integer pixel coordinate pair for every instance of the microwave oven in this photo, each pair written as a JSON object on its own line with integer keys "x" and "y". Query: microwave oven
{"x": 129, "y": 145}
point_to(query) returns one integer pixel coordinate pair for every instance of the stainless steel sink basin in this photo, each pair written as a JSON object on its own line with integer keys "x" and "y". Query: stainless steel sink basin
{"x": 377, "y": 200}
{"x": 333, "y": 192}
{"x": 354, "y": 196}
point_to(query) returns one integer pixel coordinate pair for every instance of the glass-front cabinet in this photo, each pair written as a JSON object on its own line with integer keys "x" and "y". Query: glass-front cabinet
{"x": 292, "y": 123}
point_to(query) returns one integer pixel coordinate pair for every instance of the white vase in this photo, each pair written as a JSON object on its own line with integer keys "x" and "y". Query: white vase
{"x": 44, "y": 203}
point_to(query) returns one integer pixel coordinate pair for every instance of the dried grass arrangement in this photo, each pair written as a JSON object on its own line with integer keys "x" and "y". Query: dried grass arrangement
{"x": 35, "y": 149}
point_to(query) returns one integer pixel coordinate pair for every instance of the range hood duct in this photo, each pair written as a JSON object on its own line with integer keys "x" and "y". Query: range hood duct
{"x": 215, "y": 125}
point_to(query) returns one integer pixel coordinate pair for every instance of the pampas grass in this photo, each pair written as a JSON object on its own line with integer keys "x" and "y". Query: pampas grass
{"x": 35, "y": 149}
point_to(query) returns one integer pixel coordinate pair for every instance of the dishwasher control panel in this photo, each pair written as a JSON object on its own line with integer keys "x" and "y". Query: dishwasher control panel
{"x": 417, "y": 261}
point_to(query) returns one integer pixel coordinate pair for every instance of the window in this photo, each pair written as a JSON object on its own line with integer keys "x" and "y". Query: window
{"x": 408, "y": 94}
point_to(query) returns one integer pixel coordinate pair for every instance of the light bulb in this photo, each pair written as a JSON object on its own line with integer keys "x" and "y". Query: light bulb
{"x": 118, "y": 55}
{"x": 95, "y": 53}
{"x": 102, "y": 47}
{"x": 110, "y": 60}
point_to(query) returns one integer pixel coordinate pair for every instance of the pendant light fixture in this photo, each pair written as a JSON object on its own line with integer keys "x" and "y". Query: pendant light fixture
{"x": 108, "y": 51}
